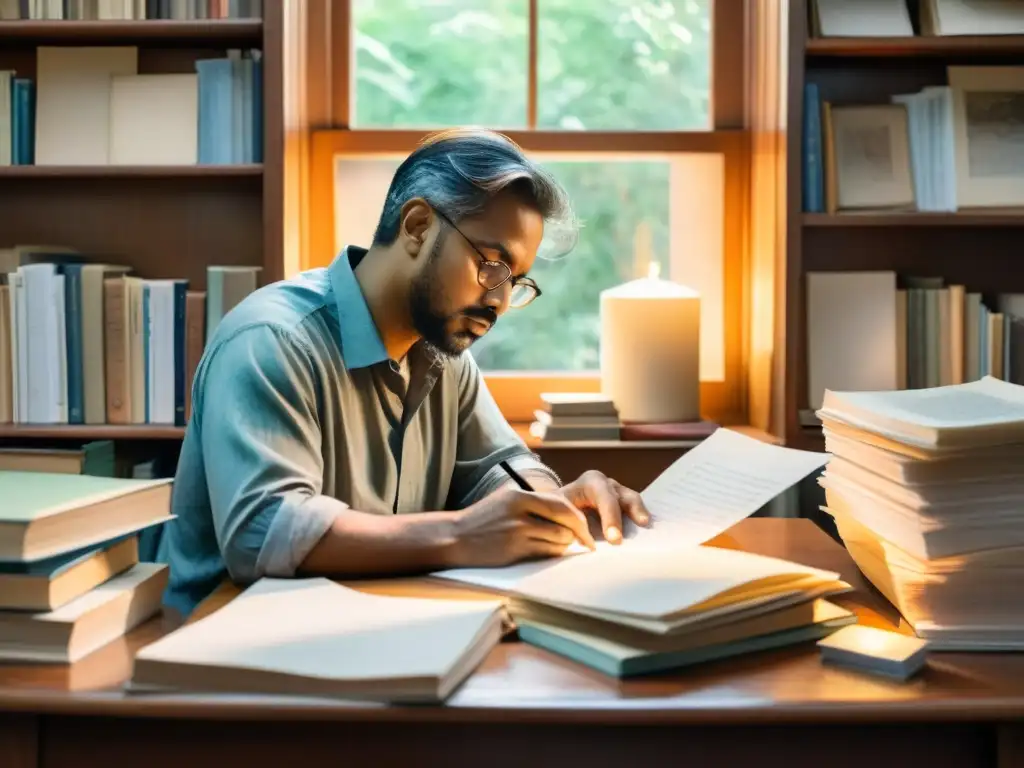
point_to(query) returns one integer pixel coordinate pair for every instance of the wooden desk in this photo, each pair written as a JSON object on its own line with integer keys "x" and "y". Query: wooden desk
{"x": 526, "y": 707}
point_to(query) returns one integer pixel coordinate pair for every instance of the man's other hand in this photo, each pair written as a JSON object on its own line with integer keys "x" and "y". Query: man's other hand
{"x": 610, "y": 500}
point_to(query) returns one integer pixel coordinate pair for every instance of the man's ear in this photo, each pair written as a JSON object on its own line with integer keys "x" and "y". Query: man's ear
{"x": 414, "y": 225}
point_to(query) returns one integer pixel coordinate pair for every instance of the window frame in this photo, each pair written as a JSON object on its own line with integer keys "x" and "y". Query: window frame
{"x": 518, "y": 393}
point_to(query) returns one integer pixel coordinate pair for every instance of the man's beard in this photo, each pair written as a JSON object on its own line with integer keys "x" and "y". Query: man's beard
{"x": 425, "y": 295}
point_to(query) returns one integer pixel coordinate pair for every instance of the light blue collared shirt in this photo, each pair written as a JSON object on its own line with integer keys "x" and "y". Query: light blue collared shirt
{"x": 298, "y": 415}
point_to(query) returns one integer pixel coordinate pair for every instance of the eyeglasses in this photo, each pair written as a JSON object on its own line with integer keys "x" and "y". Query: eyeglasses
{"x": 494, "y": 274}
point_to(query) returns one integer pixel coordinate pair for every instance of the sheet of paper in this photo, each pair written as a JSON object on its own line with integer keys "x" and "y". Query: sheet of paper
{"x": 724, "y": 480}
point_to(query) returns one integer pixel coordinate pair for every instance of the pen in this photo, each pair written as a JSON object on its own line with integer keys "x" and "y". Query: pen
{"x": 519, "y": 479}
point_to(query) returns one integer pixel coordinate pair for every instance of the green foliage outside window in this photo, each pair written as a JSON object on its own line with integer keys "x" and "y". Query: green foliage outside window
{"x": 608, "y": 65}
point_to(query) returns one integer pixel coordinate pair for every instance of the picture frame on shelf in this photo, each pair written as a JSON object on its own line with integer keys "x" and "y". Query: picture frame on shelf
{"x": 871, "y": 156}
{"x": 988, "y": 124}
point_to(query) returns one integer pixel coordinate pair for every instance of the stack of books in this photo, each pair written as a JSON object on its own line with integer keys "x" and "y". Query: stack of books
{"x": 927, "y": 491}
{"x": 571, "y": 416}
{"x": 627, "y": 612}
{"x": 70, "y": 576}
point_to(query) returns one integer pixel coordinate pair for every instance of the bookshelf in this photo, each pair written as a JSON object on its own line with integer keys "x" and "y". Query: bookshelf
{"x": 163, "y": 221}
{"x": 975, "y": 247}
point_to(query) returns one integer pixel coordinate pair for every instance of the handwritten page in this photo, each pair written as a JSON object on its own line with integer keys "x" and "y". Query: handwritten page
{"x": 724, "y": 480}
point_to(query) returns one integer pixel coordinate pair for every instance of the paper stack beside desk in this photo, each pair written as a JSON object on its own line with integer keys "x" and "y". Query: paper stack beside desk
{"x": 70, "y": 576}
{"x": 927, "y": 491}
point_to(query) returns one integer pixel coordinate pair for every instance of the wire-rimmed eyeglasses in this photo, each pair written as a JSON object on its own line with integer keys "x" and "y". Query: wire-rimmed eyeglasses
{"x": 494, "y": 274}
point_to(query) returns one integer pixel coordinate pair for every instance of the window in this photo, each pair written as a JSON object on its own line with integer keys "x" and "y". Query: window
{"x": 600, "y": 64}
{"x": 623, "y": 100}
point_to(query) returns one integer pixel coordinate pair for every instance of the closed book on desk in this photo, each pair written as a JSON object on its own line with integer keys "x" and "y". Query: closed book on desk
{"x": 46, "y": 585}
{"x": 316, "y": 638}
{"x": 88, "y": 622}
{"x": 48, "y": 514}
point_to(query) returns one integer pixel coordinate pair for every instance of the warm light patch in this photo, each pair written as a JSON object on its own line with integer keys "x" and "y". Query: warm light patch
{"x": 654, "y": 270}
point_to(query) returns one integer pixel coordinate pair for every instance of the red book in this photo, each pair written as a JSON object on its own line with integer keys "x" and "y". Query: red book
{"x": 683, "y": 430}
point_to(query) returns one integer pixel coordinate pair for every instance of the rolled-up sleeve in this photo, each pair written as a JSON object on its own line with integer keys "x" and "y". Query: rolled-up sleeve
{"x": 261, "y": 446}
{"x": 485, "y": 438}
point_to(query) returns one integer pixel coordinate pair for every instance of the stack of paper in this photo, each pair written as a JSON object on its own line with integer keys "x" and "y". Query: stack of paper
{"x": 927, "y": 490}
{"x": 314, "y": 637}
{"x": 660, "y": 600}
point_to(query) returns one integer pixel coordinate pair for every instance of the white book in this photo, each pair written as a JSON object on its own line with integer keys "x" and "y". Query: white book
{"x": 863, "y": 18}
{"x": 154, "y": 119}
{"x": 73, "y": 102}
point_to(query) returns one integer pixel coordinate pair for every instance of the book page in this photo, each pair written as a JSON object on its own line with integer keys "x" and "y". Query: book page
{"x": 709, "y": 489}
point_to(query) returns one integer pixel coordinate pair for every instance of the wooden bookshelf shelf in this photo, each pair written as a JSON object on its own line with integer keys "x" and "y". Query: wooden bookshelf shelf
{"x": 92, "y": 431}
{"x": 1007, "y": 218}
{"x": 129, "y": 171}
{"x": 883, "y": 47}
{"x": 218, "y": 32}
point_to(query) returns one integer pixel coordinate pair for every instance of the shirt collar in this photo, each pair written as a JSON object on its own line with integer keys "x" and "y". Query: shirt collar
{"x": 361, "y": 345}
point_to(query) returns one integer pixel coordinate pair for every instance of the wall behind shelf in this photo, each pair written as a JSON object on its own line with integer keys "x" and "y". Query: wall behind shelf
{"x": 161, "y": 227}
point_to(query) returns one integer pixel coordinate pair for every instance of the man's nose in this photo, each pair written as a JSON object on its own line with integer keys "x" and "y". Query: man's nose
{"x": 498, "y": 298}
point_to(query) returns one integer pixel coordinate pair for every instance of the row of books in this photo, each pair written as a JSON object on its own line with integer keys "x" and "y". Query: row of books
{"x": 926, "y": 489}
{"x": 87, "y": 343}
{"x": 942, "y": 149}
{"x": 128, "y": 10}
{"x": 91, "y": 106}
{"x": 878, "y": 331}
{"x": 892, "y": 18}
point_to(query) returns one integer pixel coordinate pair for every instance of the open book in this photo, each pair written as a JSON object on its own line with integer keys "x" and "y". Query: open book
{"x": 315, "y": 637}
{"x": 724, "y": 480}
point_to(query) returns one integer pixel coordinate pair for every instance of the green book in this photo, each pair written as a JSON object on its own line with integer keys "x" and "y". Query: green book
{"x": 47, "y": 514}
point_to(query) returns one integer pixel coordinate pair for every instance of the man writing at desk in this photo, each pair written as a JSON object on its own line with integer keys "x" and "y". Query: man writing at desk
{"x": 330, "y": 407}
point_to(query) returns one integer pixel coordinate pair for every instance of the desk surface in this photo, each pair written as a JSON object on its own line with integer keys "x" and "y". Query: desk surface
{"x": 518, "y": 683}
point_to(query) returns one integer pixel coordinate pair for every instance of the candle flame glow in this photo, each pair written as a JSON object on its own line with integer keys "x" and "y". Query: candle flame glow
{"x": 654, "y": 270}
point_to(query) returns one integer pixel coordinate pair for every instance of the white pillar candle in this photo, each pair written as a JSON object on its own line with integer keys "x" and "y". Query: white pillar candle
{"x": 650, "y": 349}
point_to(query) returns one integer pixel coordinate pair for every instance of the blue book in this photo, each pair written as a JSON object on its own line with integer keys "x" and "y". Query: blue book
{"x": 216, "y": 101}
{"x": 180, "y": 355}
{"x": 23, "y": 122}
{"x": 812, "y": 164}
{"x": 257, "y": 108}
{"x": 73, "y": 335}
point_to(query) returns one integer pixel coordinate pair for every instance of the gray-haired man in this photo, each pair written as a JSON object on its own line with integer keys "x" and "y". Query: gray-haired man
{"x": 337, "y": 428}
